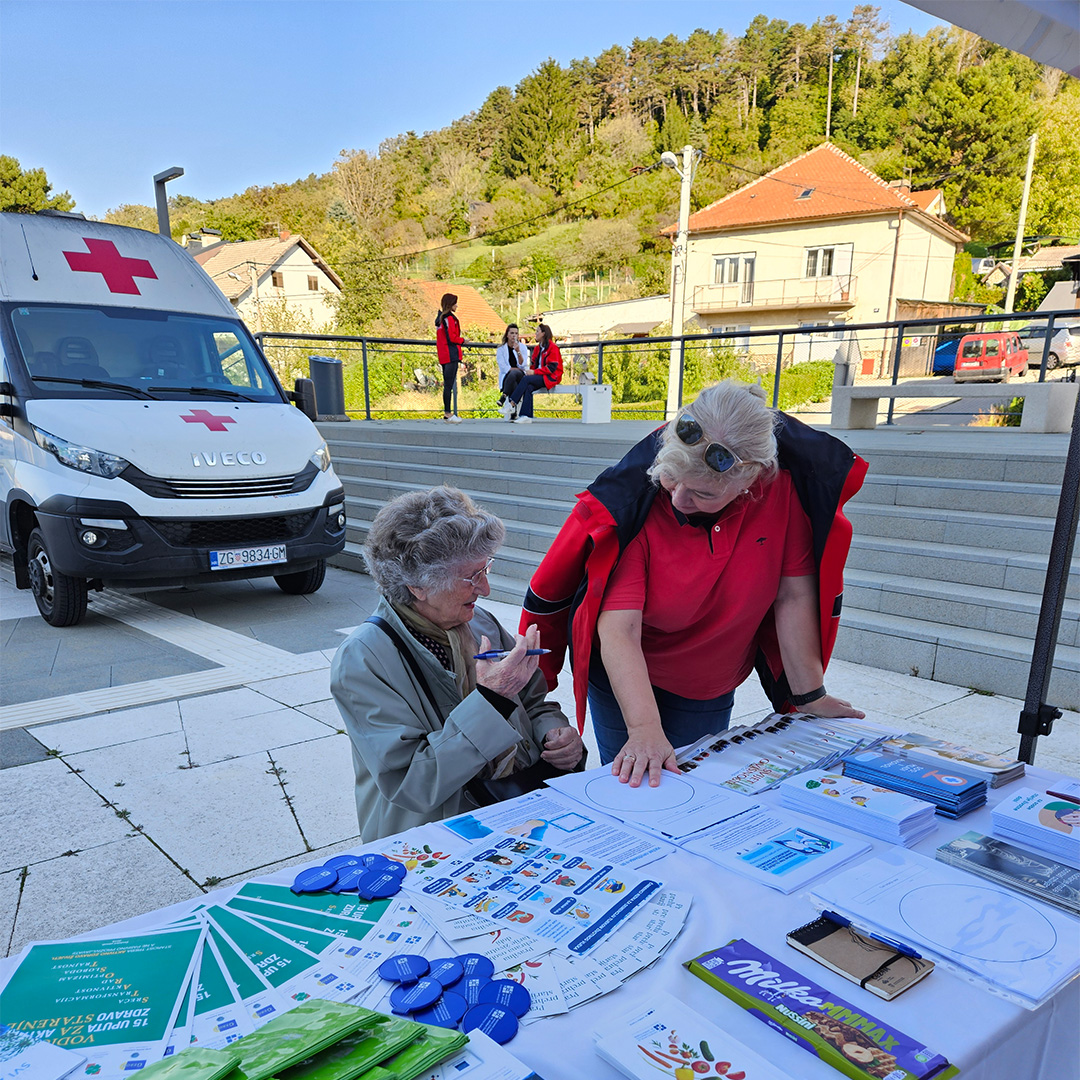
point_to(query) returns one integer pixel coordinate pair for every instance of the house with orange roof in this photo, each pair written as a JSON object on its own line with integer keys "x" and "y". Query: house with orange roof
{"x": 819, "y": 240}
{"x": 262, "y": 277}
{"x": 476, "y": 315}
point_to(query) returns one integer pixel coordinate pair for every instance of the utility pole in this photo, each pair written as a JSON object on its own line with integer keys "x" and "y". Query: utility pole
{"x": 1010, "y": 297}
{"x": 162, "y": 200}
{"x": 678, "y": 272}
{"x": 253, "y": 274}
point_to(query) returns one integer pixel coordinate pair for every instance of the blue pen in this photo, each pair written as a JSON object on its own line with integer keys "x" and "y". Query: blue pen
{"x": 904, "y": 950}
{"x": 498, "y": 654}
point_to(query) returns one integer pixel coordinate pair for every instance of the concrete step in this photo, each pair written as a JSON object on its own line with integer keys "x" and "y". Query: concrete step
{"x": 1031, "y": 468}
{"x": 1005, "y": 532}
{"x": 979, "y": 496}
{"x": 1000, "y": 611}
{"x": 994, "y": 663}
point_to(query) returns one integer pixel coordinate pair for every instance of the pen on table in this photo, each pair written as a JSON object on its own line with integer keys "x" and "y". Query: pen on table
{"x": 905, "y": 950}
{"x": 498, "y": 654}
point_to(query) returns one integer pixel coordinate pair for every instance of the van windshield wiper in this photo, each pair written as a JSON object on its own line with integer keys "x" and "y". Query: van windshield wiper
{"x": 97, "y": 384}
{"x": 218, "y": 391}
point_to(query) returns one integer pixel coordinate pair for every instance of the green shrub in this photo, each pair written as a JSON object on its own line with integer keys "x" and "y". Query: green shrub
{"x": 801, "y": 383}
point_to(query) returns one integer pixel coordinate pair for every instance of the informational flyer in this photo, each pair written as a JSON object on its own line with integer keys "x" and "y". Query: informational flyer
{"x": 220, "y": 1016}
{"x": 776, "y": 849}
{"x": 115, "y": 1000}
{"x": 554, "y": 893}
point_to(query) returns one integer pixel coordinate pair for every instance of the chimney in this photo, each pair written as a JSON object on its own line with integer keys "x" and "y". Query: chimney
{"x": 193, "y": 241}
{"x": 284, "y": 235}
{"x": 904, "y": 183}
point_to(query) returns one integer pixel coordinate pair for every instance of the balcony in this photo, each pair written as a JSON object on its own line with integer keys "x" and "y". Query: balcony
{"x": 837, "y": 292}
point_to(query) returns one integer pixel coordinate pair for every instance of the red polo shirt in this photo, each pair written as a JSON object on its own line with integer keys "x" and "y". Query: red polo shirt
{"x": 703, "y": 591}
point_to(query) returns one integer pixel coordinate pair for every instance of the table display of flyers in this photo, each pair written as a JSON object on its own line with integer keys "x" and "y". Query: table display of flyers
{"x": 876, "y": 811}
{"x": 954, "y": 792}
{"x": 1036, "y": 819}
{"x": 551, "y": 817}
{"x": 1029, "y": 872}
{"x": 129, "y": 990}
{"x": 552, "y": 893}
{"x": 679, "y": 807}
{"x": 993, "y": 768}
{"x": 662, "y": 1035}
{"x": 1011, "y": 946}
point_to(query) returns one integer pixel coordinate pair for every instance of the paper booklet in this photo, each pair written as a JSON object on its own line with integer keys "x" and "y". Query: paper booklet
{"x": 994, "y": 768}
{"x": 26, "y": 1055}
{"x": 1042, "y": 821}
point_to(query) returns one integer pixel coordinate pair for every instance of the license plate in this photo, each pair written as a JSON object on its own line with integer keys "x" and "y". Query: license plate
{"x": 238, "y": 558}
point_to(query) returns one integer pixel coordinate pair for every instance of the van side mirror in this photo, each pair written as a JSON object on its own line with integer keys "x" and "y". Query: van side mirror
{"x": 7, "y": 409}
{"x": 6, "y": 389}
{"x": 304, "y": 396}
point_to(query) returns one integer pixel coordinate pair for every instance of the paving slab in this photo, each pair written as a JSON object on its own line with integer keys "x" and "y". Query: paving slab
{"x": 10, "y": 889}
{"x": 138, "y": 878}
{"x": 108, "y": 729}
{"x": 49, "y": 810}
{"x": 297, "y": 689}
{"x": 218, "y": 820}
{"x": 109, "y": 769}
{"x": 326, "y": 712}
{"x": 19, "y": 747}
{"x": 217, "y": 740}
{"x": 303, "y": 859}
{"x": 225, "y": 705}
{"x": 319, "y": 780}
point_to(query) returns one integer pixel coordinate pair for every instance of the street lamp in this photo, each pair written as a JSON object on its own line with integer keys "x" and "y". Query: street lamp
{"x": 690, "y": 157}
{"x": 160, "y": 180}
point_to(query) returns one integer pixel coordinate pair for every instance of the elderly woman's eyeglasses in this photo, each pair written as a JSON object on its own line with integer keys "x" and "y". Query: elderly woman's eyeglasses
{"x": 717, "y": 456}
{"x": 474, "y": 581}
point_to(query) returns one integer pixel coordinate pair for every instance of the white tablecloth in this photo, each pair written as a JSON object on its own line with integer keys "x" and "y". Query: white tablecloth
{"x": 986, "y": 1036}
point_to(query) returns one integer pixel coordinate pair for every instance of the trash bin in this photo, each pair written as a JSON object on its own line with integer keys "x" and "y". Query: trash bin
{"x": 327, "y": 375}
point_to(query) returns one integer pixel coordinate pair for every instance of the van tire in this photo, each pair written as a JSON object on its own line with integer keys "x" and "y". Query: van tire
{"x": 60, "y": 599}
{"x": 303, "y": 581}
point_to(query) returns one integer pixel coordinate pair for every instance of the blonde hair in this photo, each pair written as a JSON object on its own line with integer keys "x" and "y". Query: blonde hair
{"x": 731, "y": 413}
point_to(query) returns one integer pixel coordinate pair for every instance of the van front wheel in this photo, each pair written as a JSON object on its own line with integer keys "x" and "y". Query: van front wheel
{"x": 60, "y": 599}
{"x": 303, "y": 581}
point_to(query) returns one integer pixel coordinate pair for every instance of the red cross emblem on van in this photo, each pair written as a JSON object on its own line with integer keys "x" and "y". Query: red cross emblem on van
{"x": 118, "y": 270}
{"x": 212, "y": 422}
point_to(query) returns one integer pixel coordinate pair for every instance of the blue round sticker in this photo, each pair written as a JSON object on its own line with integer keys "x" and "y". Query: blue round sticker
{"x": 446, "y": 970}
{"x": 475, "y": 963}
{"x": 404, "y": 968}
{"x": 419, "y": 996}
{"x": 347, "y": 878}
{"x": 446, "y": 1012}
{"x": 373, "y": 860}
{"x": 493, "y": 1020}
{"x": 377, "y": 884}
{"x": 395, "y": 868}
{"x": 314, "y": 879}
{"x": 470, "y": 987}
{"x": 507, "y": 993}
{"x": 338, "y": 861}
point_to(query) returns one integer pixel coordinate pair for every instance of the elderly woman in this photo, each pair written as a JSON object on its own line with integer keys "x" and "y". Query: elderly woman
{"x": 424, "y": 714}
{"x": 707, "y": 551}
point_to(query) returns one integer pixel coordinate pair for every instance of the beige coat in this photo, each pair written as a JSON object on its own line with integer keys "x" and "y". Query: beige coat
{"x": 411, "y": 767}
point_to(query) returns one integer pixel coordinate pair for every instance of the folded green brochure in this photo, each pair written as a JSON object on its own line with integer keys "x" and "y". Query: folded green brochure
{"x": 433, "y": 1046}
{"x": 194, "y": 1063}
{"x": 296, "y": 1036}
{"x": 379, "y": 1039}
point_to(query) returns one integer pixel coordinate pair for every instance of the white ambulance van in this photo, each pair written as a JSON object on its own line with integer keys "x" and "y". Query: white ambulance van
{"x": 144, "y": 439}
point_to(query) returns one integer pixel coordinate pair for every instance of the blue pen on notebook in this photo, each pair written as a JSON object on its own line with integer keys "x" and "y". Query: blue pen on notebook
{"x": 498, "y": 654}
{"x": 904, "y": 950}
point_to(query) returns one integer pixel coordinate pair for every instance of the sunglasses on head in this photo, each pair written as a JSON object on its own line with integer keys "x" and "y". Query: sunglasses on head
{"x": 717, "y": 456}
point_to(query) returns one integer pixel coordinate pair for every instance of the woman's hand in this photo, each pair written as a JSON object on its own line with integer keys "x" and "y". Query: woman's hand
{"x": 644, "y": 752}
{"x": 563, "y": 747}
{"x": 832, "y": 708}
{"x": 509, "y": 675}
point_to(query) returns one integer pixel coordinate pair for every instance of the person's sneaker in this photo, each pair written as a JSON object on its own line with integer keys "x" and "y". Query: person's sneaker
{"x": 507, "y": 408}
{"x": 523, "y": 420}
{"x": 452, "y": 419}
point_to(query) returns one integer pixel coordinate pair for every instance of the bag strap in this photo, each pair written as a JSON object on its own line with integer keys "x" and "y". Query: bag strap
{"x": 408, "y": 657}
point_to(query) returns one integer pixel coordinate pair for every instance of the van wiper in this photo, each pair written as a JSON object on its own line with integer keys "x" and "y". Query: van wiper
{"x": 218, "y": 391}
{"x": 97, "y": 384}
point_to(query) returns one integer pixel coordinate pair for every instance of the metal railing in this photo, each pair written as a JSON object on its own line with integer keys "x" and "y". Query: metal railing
{"x": 401, "y": 378}
{"x": 832, "y": 292}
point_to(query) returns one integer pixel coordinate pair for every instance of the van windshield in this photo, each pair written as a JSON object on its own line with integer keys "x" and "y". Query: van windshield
{"x": 126, "y": 352}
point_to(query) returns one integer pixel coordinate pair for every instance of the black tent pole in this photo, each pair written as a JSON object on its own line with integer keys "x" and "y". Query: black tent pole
{"x": 1037, "y": 718}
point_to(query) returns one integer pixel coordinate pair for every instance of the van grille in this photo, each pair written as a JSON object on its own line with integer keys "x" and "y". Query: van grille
{"x": 239, "y": 487}
{"x": 230, "y": 532}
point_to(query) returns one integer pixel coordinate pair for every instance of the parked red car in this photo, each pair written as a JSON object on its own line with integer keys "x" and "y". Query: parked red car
{"x": 990, "y": 357}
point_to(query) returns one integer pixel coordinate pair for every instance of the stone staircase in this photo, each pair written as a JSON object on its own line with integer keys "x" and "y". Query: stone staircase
{"x": 947, "y": 565}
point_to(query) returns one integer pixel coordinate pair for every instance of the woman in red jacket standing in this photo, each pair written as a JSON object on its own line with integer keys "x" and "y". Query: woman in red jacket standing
{"x": 448, "y": 341}
{"x": 545, "y": 371}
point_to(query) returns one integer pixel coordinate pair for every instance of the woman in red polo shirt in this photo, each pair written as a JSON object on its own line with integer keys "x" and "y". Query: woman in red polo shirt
{"x": 725, "y": 540}
{"x": 448, "y": 342}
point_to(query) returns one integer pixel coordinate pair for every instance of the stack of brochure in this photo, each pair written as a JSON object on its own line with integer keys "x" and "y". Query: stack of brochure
{"x": 993, "y": 768}
{"x": 1028, "y": 872}
{"x": 662, "y": 1035}
{"x": 953, "y": 792}
{"x": 1039, "y": 820}
{"x": 886, "y": 815}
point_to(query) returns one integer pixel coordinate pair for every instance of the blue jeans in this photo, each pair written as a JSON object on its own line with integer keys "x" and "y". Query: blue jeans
{"x": 685, "y": 720}
{"x": 523, "y": 392}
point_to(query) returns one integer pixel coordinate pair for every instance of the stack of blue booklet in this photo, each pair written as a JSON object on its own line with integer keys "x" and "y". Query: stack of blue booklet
{"x": 953, "y": 792}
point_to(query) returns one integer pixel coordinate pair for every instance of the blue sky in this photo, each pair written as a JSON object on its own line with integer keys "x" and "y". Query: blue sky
{"x": 105, "y": 94}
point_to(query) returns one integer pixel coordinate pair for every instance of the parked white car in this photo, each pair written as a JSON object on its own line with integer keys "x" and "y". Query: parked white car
{"x": 1064, "y": 345}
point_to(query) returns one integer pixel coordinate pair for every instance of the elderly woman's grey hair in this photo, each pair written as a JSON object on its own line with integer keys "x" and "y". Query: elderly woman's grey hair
{"x": 422, "y": 538}
{"x": 731, "y": 413}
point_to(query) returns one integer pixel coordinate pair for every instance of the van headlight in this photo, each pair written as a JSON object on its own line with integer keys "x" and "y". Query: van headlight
{"x": 84, "y": 458}
{"x": 321, "y": 458}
